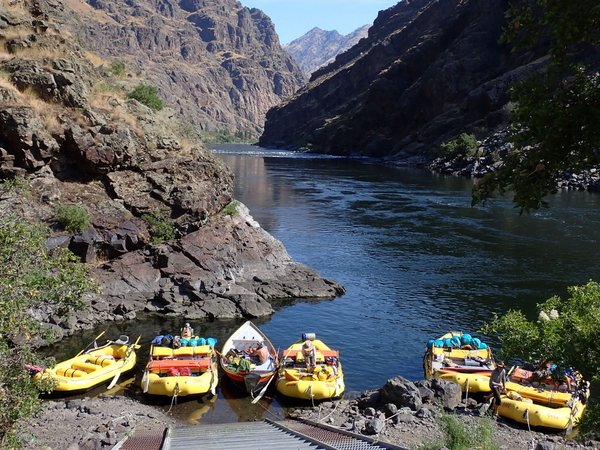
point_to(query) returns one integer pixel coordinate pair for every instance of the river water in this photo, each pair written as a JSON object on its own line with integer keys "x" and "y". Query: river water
{"x": 416, "y": 259}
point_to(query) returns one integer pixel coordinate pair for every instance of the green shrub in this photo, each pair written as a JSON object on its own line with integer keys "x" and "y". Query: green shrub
{"x": 460, "y": 436}
{"x": 162, "y": 228}
{"x": 465, "y": 145}
{"x": 146, "y": 95}
{"x": 231, "y": 208}
{"x": 33, "y": 276}
{"x": 72, "y": 218}
{"x": 117, "y": 68}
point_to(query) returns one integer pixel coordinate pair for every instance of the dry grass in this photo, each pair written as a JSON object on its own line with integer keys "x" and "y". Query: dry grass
{"x": 50, "y": 119}
{"x": 20, "y": 6}
{"x": 16, "y": 32}
{"x": 120, "y": 115}
{"x": 186, "y": 146}
{"x": 5, "y": 55}
{"x": 41, "y": 53}
{"x": 4, "y": 83}
{"x": 96, "y": 60}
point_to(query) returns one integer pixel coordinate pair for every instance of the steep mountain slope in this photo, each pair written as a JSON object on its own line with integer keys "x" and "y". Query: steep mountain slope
{"x": 318, "y": 47}
{"x": 70, "y": 136}
{"x": 428, "y": 71}
{"x": 215, "y": 61}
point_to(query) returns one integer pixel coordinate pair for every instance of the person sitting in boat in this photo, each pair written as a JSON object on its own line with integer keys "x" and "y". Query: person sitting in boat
{"x": 187, "y": 331}
{"x": 261, "y": 352}
{"x": 497, "y": 385}
{"x": 310, "y": 354}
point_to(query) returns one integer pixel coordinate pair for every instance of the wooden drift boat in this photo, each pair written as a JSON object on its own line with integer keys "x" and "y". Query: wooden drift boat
{"x": 459, "y": 358}
{"x": 181, "y": 372}
{"x": 325, "y": 381}
{"x": 92, "y": 367}
{"x": 248, "y": 371}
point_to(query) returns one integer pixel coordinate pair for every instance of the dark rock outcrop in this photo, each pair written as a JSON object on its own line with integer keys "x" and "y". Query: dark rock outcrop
{"x": 318, "y": 47}
{"x": 427, "y": 71}
{"x": 118, "y": 160}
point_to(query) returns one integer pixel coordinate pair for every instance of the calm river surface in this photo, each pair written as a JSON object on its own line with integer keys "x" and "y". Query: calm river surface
{"x": 416, "y": 259}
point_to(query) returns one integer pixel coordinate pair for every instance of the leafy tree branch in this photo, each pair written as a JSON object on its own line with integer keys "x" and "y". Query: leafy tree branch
{"x": 555, "y": 122}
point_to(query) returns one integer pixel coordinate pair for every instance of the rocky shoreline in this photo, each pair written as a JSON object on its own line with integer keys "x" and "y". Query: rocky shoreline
{"x": 488, "y": 159}
{"x": 400, "y": 412}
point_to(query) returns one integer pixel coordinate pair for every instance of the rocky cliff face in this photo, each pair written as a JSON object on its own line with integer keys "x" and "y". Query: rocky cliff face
{"x": 428, "y": 71}
{"x": 68, "y": 131}
{"x": 216, "y": 62}
{"x": 318, "y": 47}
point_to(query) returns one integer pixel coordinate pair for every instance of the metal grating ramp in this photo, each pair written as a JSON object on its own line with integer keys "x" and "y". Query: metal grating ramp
{"x": 267, "y": 435}
{"x": 235, "y": 436}
{"x": 334, "y": 438}
{"x": 143, "y": 440}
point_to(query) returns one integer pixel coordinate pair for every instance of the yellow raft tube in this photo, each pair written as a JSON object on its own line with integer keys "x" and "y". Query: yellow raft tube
{"x": 181, "y": 372}
{"x": 546, "y": 392}
{"x": 466, "y": 366}
{"x": 324, "y": 382}
{"x": 524, "y": 410}
{"x": 469, "y": 382}
{"x": 93, "y": 367}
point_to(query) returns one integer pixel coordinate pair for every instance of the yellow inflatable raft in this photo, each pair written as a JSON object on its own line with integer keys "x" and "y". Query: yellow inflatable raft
{"x": 544, "y": 403}
{"x": 93, "y": 367}
{"x": 524, "y": 410}
{"x": 547, "y": 391}
{"x": 181, "y": 372}
{"x": 325, "y": 381}
{"x": 462, "y": 363}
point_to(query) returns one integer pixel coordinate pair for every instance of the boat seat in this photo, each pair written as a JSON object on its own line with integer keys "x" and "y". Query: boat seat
{"x": 102, "y": 361}
{"x": 167, "y": 352}
{"x": 321, "y": 354}
{"x": 201, "y": 350}
{"x": 194, "y": 365}
{"x": 85, "y": 366}
{"x": 71, "y": 373}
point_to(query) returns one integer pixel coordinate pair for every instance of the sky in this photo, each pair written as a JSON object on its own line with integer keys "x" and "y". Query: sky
{"x": 294, "y": 18}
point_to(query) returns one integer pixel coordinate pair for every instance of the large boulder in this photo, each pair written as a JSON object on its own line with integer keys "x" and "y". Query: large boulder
{"x": 449, "y": 393}
{"x": 401, "y": 392}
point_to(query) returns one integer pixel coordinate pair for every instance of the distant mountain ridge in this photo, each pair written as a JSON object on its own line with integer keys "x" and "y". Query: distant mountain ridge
{"x": 427, "y": 72}
{"x": 317, "y": 48}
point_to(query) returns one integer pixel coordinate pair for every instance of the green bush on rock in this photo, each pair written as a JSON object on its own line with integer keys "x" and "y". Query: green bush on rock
{"x": 72, "y": 218}
{"x": 146, "y": 95}
{"x": 162, "y": 227}
{"x": 466, "y": 145}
